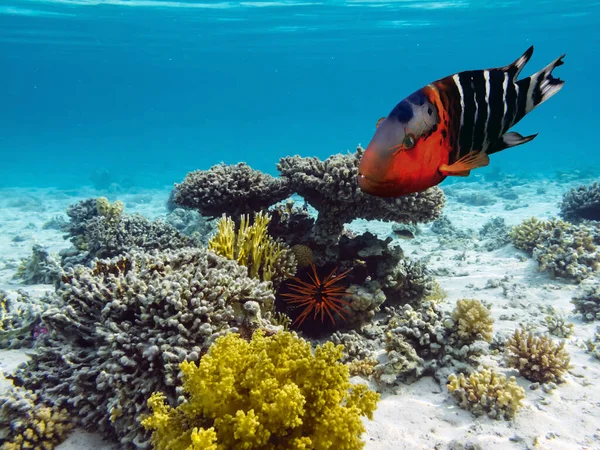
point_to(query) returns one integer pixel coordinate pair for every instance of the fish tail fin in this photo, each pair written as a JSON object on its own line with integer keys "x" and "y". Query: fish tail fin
{"x": 515, "y": 68}
{"x": 540, "y": 86}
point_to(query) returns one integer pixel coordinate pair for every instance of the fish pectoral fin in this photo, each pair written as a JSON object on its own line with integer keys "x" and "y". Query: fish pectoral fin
{"x": 379, "y": 121}
{"x": 463, "y": 166}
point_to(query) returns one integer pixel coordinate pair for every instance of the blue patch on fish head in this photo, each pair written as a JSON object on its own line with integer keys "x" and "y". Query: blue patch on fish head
{"x": 404, "y": 111}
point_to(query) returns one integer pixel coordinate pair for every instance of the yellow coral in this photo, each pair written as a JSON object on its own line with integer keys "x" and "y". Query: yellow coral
{"x": 110, "y": 211}
{"x": 537, "y": 358}
{"x": 268, "y": 393}
{"x": 473, "y": 320}
{"x": 487, "y": 392}
{"x": 251, "y": 246}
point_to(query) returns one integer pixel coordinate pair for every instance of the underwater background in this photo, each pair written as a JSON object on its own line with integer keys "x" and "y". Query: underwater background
{"x": 140, "y": 92}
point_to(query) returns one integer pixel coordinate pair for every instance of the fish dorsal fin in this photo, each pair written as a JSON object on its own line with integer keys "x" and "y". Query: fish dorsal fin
{"x": 515, "y": 68}
{"x": 379, "y": 121}
{"x": 461, "y": 167}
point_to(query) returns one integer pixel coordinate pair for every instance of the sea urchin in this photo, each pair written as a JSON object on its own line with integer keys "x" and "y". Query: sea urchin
{"x": 317, "y": 296}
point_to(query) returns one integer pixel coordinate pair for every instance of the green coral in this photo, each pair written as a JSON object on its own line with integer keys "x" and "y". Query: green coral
{"x": 253, "y": 247}
{"x": 529, "y": 233}
{"x": 537, "y": 358}
{"x": 487, "y": 392}
{"x": 271, "y": 392}
{"x": 473, "y": 321}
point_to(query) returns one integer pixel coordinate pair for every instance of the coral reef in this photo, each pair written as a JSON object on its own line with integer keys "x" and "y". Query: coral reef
{"x": 487, "y": 392}
{"x": 558, "y": 326}
{"x": 587, "y": 301}
{"x": 592, "y": 346}
{"x": 251, "y": 246}
{"x": 40, "y": 267}
{"x": 26, "y": 423}
{"x": 473, "y": 321}
{"x": 233, "y": 190}
{"x": 581, "y": 203}
{"x": 330, "y": 187}
{"x": 537, "y": 358}
{"x": 19, "y": 317}
{"x": 563, "y": 249}
{"x": 123, "y": 327}
{"x": 99, "y": 229}
{"x": 191, "y": 223}
{"x": 271, "y": 392}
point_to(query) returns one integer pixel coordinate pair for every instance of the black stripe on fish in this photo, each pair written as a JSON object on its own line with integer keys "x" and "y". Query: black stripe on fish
{"x": 510, "y": 97}
{"x": 465, "y": 141}
{"x": 481, "y": 94}
{"x": 522, "y": 98}
{"x": 496, "y": 101}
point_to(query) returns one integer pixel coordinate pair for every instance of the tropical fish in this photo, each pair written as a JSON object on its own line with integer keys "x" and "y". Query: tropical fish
{"x": 451, "y": 126}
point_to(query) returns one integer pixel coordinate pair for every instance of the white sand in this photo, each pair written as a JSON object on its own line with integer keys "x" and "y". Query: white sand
{"x": 421, "y": 415}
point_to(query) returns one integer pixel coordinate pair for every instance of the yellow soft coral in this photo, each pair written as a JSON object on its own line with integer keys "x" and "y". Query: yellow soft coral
{"x": 253, "y": 247}
{"x": 473, "y": 320}
{"x": 268, "y": 393}
{"x": 487, "y": 392}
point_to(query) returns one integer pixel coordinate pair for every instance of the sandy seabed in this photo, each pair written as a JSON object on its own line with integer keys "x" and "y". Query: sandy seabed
{"x": 421, "y": 415}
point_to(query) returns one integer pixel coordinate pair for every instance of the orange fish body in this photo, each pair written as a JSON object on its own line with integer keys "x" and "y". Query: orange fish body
{"x": 450, "y": 126}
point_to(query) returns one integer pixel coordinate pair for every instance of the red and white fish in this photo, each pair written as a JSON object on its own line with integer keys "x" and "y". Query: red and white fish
{"x": 451, "y": 126}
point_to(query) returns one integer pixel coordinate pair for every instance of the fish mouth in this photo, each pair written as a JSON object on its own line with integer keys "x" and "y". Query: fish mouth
{"x": 373, "y": 187}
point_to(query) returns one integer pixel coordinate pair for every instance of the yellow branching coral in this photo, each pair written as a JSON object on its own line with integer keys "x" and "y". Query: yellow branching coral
{"x": 110, "y": 211}
{"x": 537, "y": 358}
{"x": 530, "y": 232}
{"x": 473, "y": 321}
{"x": 268, "y": 393}
{"x": 487, "y": 392}
{"x": 253, "y": 247}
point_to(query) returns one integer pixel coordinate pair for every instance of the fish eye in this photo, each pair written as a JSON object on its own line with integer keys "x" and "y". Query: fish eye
{"x": 409, "y": 141}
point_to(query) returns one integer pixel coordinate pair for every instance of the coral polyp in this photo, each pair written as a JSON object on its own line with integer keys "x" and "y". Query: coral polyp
{"x": 318, "y": 296}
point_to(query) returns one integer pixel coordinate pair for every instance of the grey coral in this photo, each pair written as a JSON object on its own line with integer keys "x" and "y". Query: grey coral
{"x": 125, "y": 325}
{"x": 582, "y": 202}
{"x": 229, "y": 189}
{"x": 331, "y": 187}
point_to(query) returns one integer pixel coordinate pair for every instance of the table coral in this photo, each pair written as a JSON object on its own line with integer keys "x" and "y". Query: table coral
{"x": 330, "y": 186}
{"x": 233, "y": 190}
{"x": 487, "y": 392}
{"x": 124, "y": 325}
{"x": 268, "y": 393}
{"x": 537, "y": 358}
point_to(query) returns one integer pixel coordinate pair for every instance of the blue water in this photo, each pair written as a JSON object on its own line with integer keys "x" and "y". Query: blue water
{"x": 149, "y": 90}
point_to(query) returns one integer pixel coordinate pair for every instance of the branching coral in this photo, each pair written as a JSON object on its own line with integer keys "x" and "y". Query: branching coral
{"x": 563, "y": 249}
{"x": 19, "y": 317}
{"x": 271, "y": 392}
{"x": 40, "y": 267}
{"x": 487, "y": 392}
{"x": 537, "y": 358}
{"x": 473, "y": 321}
{"x": 254, "y": 248}
{"x": 99, "y": 229}
{"x": 125, "y": 325}
{"x": 233, "y": 190}
{"x": 587, "y": 301}
{"x": 580, "y": 203}
{"x": 25, "y": 422}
